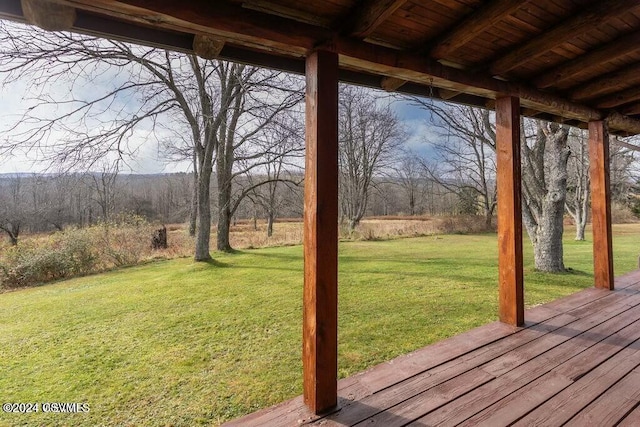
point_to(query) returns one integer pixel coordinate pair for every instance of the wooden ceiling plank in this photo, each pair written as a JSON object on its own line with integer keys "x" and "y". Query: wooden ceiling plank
{"x": 618, "y": 48}
{"x": 620, "y": 98}
{"x": 369, "y": 15}
{"x": 608, "y": 83}
{"x": 599, "y": 13}
{"x": 473, "y": 25}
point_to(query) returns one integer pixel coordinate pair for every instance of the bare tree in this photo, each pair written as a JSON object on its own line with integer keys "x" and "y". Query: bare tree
{"x": 545, "y": 155}
{"x": 12, "y": 209}
{"x": 219, "y": 108}
{"x": 408, "y": 174}
{"x": 464, "y": 154}
{"x": 578, "y": 188}
{"x": 621, "y": 158}
{"x": 286, "y": 144}
{"x": 370, "y": 135}
{"x": 104, "y": 188}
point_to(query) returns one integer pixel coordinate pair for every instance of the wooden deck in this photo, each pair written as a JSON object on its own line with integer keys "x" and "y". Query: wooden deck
{"x": 576, "y": 363}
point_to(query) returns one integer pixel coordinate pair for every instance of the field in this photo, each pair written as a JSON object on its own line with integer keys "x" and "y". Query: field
{"x": 179, "y": 343}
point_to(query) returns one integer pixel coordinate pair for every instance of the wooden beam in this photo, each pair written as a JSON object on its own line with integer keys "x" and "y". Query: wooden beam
{"x": 391, "y": 84}
{"x": 207, "y": 47}
{"x": 510, "y": 266}
{"x": 632, "y": 109}
{"x": 448, "y": 94}
{"x": 286, "y": 12}
{"x": 599, "y": 13}
{"x": 620, "y": 98}
{"x": 600, "y": 204}
{"x": 320, "y": 311}
{"x": 619, "y": 79}
{"x": 369, "y": 14}
{"x": 610, "y": 52}
{"x": 626, "y": 124}
{"x": 48, "y": 15}
{"x": 473, "y": 25}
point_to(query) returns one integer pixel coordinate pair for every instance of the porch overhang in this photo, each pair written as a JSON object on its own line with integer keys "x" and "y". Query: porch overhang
{"x": 570, "y": 61}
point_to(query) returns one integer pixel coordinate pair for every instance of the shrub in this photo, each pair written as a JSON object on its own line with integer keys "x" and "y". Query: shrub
{"x": 61, "y": 256}
{"x": 126, "y": 240}
{"x": 74, "y": 252}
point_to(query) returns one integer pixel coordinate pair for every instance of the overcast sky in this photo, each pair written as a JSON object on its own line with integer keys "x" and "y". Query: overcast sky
{"x": 148, "y": 159}
{"x": 16, "y": 98}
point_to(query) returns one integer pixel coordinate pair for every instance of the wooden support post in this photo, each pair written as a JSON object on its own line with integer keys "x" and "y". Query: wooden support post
{"x": 600, "y": 204}
{"x": 320, "y": 311}
{"x": 509, "y": 211}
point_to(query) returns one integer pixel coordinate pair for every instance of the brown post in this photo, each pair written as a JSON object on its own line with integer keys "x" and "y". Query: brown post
{"x": 600, "y": 204}
{"x": 511, "y": 294}
{"x": 320, "y": 311}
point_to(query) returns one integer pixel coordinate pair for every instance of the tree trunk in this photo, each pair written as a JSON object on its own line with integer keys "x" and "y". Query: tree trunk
{"x": 270, "y": 224}
{"x": 193, "y": 214}
{"x": 224, "y": 228}
{"x": 488, "y": 219}
{"x": 224, "y": 213}
{"x": 203, "y": 231}
{"x": 14, "y": 239}
{"x": 580, "y": 231}
{"x": 548, "y": 250}
{"x": 545, "y": 192}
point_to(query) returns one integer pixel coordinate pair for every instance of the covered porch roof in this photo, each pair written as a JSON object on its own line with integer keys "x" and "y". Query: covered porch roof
{"x": 572, "y": 61}
{"x": 569, "y": 61}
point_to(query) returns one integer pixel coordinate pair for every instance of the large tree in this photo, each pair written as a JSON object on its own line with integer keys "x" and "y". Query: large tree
{"x": 93, "y": 98}
{"x": 370, "y": 136}
{"x": 465, "y": 163}
{"x": 545, "y": 154}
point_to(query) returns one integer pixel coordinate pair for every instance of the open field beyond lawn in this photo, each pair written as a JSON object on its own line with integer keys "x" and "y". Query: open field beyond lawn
{"x": 183, "y": 344}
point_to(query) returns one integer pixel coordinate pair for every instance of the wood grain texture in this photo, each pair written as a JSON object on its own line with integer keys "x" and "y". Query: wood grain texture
{"x": 48, "y": 15}
{"x": 473, "y": 25}
{"x": 510, "y": 267}
{"x": 620, "y": 98}
{"x": 391, "y": 84}
{"x": 599, "y": 13}
{"x": 593, "y": 59}
{"x": 320, "y": 310}
{"x": 600, "y": 204}
{"x": 369, "y": 14}
{"x": 612, "y": 82}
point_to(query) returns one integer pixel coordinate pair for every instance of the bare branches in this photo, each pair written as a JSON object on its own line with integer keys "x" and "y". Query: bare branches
{"x": 464, "y": 155}
{"x": 370, "y": 136}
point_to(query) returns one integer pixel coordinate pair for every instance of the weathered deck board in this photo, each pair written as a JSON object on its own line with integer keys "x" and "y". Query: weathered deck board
{"x": 576, "y": 360}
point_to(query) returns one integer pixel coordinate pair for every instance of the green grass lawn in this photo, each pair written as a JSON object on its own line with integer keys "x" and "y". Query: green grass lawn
{"x": 179, "y": 343}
